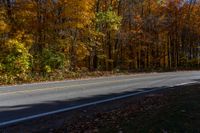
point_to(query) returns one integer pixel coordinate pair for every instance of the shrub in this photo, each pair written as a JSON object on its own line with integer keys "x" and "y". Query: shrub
{"x": 52, "y": 60}
{"x": 14, "y": 61}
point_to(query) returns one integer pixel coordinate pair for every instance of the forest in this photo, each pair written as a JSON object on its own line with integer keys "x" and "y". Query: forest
{"x": 61, "y": 37}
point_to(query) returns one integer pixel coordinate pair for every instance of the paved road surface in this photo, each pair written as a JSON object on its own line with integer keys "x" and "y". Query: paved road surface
{"x": 23, "y": 101}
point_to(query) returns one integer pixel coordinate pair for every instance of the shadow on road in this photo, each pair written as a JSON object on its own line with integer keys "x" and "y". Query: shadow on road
{"x": 8, "y": 113}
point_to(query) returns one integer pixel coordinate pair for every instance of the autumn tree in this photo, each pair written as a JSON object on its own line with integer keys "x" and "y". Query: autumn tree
{"x": 44, "y": 37}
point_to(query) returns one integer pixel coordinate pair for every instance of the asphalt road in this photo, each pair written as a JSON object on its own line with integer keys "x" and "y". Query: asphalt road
{"x": 21, "y": 102}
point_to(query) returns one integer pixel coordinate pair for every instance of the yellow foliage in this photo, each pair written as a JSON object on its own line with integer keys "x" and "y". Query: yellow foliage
{"x": 82, "y": 51}
{"x": 3, "y": 26}
{"x": 78, "y": 13}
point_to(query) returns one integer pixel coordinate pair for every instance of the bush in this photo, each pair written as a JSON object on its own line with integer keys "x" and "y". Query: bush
{"x": 14, "y": 61}
{"x": 52, "y": 60}
{"x": 193, "y": 63}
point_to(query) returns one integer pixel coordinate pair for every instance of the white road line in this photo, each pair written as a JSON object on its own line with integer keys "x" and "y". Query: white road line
{"x": 83, "y": 105}
{"x": 74, "y": 107}
{"x": 186, "y": 83}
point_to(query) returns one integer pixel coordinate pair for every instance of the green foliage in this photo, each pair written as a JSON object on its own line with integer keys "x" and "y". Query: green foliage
{"x": 183, "y": 60}
{"x": 109, "y": 18}
{"x": 52, "y": 60}
{"x": 193, "y": 63}
{"x": 14, "y": 60}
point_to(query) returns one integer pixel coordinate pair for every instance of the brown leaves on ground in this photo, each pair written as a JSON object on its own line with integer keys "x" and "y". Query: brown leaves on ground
{"x": 128, "y": 111}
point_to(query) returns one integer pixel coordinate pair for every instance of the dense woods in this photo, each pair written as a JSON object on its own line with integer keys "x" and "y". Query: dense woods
{"x": 43, "y": 37}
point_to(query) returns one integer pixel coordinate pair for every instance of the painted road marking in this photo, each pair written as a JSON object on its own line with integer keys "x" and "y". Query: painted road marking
{"x": 63, "y": 87}
{"x": 186, "y": 83}
{"x": 78, "y": 85}
{"x": 3, "y": 124}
